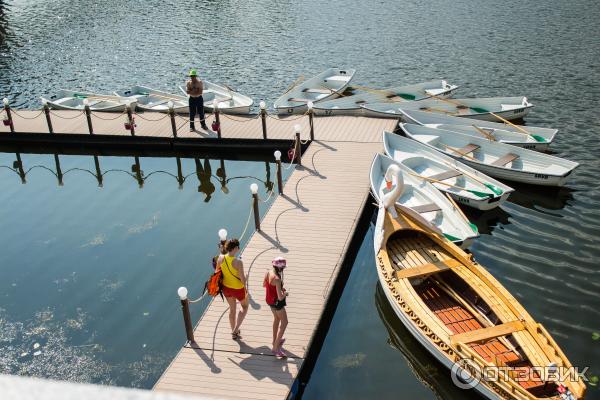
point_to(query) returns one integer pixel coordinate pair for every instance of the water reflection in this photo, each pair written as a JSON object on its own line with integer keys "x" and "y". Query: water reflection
{"x": 426, "y": 368}
{"x": 487, "y": 221}
{"x": 203, "y": 171}
{"x": 533, "y": 197}
{"x": 3, "y": 22}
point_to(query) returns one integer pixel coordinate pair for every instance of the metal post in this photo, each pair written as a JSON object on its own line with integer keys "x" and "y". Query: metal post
{"x": 310, "y": 120}
{"x": 279, "y": 179}
{"x": 187, "y": 319}
{"x": 130, "y": 119}
{"x": 263, "y": 117}
{"x": 254, "y": 190}
{"x": 9, "y": 115}
{"x": 47, "y": 112}
{"x": 217, "y": 120}
{"x": 88, "y": 116}
{"x": 298, "y": 147}
{"x": 172, "y": 116}
{"x": 98, "y": 172}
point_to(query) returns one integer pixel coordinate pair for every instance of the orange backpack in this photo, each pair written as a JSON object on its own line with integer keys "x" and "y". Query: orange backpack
{"x": 214, "y": 284}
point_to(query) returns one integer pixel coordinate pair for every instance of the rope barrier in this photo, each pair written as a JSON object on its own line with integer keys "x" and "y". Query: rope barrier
{"x": 239, "y": 120}
{"x": 199, "y": 298}
{"x": 108, "y": 119}
{"x": 63, "y": 117}
{"x": 288, "y": 119}
{"x": 268, "y": 198}
{"x": 24, "y": 117}
{"x": 247, "y": 223}
{"x": 149, "y": 119}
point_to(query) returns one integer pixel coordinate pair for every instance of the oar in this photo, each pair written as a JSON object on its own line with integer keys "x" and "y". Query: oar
{"x": 472, "y": 225}
{"x": 454, "y": 149}
{"x": 294, "y": 84}
{"x": 161, "y": 96}
{"x": 98, "y": 97}
{"x": 403, "y": 96}
{"x": 475, "y": 192}
{"x": 485, "y": 133}
{"x": 520, "y": 129}
{"x": 493, "y": 188}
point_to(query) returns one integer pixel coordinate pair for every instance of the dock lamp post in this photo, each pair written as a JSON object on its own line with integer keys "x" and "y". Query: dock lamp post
{"x": 263, "y": 117}
{"x": 47, "y": 112}
{"x": 310, "y": 106}
{"x": 254, "y": 190}
{"x": 8, "y": 121}
{"x": 130, "y": 125}
{"x": 277, "y": 155}
{"x": 182, "y": 292}
{"x": 172, "y": 116}
{"x": 297, "y": 129}
{"x": 88, "y": 115}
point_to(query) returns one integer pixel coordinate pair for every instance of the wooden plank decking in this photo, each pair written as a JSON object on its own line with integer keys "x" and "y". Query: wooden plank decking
{"x": 310, "y": 225}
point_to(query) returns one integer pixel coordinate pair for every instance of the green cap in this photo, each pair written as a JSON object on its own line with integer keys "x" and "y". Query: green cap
{"x": 193, "y": 72}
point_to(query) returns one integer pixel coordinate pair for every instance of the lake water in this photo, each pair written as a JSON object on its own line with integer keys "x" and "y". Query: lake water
{"x": 543, "y": 245}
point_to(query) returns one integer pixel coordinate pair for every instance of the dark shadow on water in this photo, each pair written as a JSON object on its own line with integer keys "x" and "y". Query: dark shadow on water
{"x": 427, "y": 369}
{"x": 487, "y": 221}
{"x": 534, "y": 197}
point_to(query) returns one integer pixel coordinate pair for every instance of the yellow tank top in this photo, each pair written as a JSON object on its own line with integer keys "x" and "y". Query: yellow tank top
{"x": 230, "y": 274}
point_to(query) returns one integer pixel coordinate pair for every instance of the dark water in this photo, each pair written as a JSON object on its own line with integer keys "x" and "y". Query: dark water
{"x": 90, "y": 273}
{"x": 543, "y": 245}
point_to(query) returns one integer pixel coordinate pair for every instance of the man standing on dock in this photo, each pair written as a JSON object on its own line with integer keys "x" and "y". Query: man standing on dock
{"x": 194, "y": 88}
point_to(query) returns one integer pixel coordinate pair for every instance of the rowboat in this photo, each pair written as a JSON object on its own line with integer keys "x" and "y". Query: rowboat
{"x": 495, "y": 109}
{"x": 493, "y": 158}
{"x": 466, "y": 185}
{"x": 529, "y": 137}
{"x": 463, "y": 316}
{"x": 71, "y": 100}
{"x": 154, "y": 100}
{"x": 351, "y": 105}
{"x": 326, "y": 85}
{"x": 421, "y": 197}
{"x": 229, "y": 101}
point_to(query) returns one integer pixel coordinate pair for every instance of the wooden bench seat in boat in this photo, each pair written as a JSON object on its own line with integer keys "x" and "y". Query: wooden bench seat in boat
{"x": 425, "y": 208}
{"x": 316, "y": 90}
{"x": 442, "y": 176}
{"x": 427, "y": 269}
{"x": 299, "y": 100}
{"x": 491, "y": 332}
{"x": 505, "y": 159}
{"x": 465, "y": 150}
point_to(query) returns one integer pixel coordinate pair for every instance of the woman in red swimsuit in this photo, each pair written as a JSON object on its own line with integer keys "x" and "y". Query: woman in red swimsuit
{"x": 275, "y": 296}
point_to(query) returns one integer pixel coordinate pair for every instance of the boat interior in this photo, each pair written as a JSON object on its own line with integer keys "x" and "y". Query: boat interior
{"x": 460, "y": 308}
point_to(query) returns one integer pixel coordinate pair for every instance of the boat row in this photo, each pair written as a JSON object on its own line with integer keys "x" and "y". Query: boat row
{"x": 451, "y": 304}
{"x": 147, "y": 99}
{"x": 331, "y": 93}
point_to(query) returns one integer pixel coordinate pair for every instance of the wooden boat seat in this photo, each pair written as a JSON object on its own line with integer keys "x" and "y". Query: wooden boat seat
{"x": 488, "y": 333}
{"x": 465, "y": 150}
{"x": 425, "y": 208}
{"x": 427, "y": 269}
{"x": 299, "y": 100}
{"x": 442, "y": 176}
{"x": 505, "y": 159}
{"x": 317, "y": 90}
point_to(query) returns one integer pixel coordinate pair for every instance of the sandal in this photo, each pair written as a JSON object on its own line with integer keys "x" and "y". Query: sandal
{"x": 280, "y": 354}
{"x": 236, "y": 335}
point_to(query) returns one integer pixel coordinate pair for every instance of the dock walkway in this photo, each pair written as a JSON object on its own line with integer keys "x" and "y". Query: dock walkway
{"x": 311, "y": 225}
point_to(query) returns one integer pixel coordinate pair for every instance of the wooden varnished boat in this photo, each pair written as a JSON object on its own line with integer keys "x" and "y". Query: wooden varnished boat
{"x": 461, "y": 314}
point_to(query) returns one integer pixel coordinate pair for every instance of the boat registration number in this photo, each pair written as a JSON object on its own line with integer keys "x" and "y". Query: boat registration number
{"x": 541, "y": 176}
{"x": 518, "y": 111}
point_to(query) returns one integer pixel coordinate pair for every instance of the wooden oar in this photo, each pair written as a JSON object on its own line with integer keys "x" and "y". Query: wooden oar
{"x": 294, "y": 84}
{"x": 493, "y": 188}
{"x": 475, "y": 192}
{"x": 162, "y": 96}
{"x": 454, "y": 149}
{"x": 98, "y": 97}
{"x": 485, "y": 133}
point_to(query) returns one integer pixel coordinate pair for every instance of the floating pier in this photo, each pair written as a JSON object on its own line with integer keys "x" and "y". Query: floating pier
{"x": 311, "y": 225}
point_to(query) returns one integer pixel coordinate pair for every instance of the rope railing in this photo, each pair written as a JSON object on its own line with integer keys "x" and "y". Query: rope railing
{"x": 247, "y": 224}
{"x": 24, "y": 117}
{"x": 95, "y": 115}
{"x": 141, "y": 115}
{"x": 63, "y": 117}
{"x": 227, "y": 116}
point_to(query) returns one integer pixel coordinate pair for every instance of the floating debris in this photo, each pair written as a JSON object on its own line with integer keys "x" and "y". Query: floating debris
{"x": 36, "y": 345}
{"x": 349, "y": 361}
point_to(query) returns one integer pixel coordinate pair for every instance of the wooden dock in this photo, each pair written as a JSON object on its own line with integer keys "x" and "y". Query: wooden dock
{"x": 311, "y": 225}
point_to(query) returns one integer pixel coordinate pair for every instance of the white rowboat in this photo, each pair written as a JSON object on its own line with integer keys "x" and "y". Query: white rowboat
{"x": 528, "y": 137}
{"x": 487, "y": 109}
{"x": 326, "y": 85}
{"x": 71, "y": 100}
{"x": 230, "y": 101}
{"x": 155, "y": 100}
{"x": 495, "y": 159}
{"x": 422, "y": 198}
{"x": 465, "y": 184}
{"x": 351, "y": 105}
